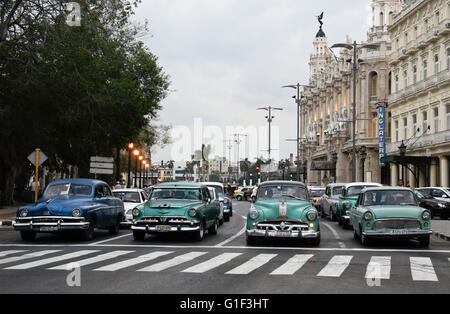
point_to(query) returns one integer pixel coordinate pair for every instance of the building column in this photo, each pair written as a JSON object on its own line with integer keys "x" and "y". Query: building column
{"x": 444, "y": 171}
{"x": 394, "y": 174}
{"x": 433, "y": 177}
{"x": 411, "y": 178}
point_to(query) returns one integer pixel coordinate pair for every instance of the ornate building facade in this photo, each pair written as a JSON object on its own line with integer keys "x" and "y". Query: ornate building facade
{"x": 420, "y": 95}
{"x": 326, "y": 106}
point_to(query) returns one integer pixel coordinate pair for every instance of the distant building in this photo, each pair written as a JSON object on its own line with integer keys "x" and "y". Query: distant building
{"x": 218, "y": 165}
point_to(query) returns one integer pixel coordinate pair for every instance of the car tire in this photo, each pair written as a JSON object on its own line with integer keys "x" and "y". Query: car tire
{"x": 340, "y": 221}
{"x": 231, "y": 212}
{"x": 138, "y": 235}
{"x": 251, "y": 240}
{"x": 213, "y": 229}
{"x": 424, "y": 241}
{"x": 113, "y": 230}
{"x": 332, "y": 218}
{"x": 28, "y": 235}
{"x": 226, "y": 217}
{"x": 315, "y": 242}
{"x": 222, "y": 220}
{"x": 198, "y": 235}
{"x": 88, "y": 234}
{"x": 365, "y": 241}
{"x": 239, "y": 198}
{"x": 355, "y": 235}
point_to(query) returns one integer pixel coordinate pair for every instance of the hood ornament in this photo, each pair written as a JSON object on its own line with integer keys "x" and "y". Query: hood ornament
{"x": 283, "y": 208}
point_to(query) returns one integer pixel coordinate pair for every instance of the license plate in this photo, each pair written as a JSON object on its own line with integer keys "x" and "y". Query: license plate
{"x": 284, "y": 234}
{"x": 48, "y": 229}
{"x": 399, "y": 232}
{"x": 163, "y": 228}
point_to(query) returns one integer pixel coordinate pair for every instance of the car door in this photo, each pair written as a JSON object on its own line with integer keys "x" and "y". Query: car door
{"x": 101, "y": 203}
{"x": 112, "y": 207}
{"x": 325, "y": 200}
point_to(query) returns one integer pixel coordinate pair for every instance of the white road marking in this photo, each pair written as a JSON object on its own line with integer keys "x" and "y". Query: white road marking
{"x": 379, "y": 268}
{"x": 109, "y": 240}
{"x": 52, "y": 260}
{"x": 5, "y": 253}
{"x": 242, "y": 231}
{"x": 336, "y": 266}
{"x": 422, "y": 269}
{"x": 93, "y": 260}
{"x": 336, "y": 235}
{"x": 212, "y": 263}
{"x": 134, "y": 261}
{"x": 252, "y": 264}
{"x": 292, "y": 265}
{"x": 27, "y": 256}
{"x": 173, "y": 262}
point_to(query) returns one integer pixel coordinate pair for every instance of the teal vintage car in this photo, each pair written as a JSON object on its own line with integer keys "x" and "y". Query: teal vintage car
{"x": 177, "y": 208}
{"x": 282, "y": 210}
{"x": 350, "y": 194}
{"x": 390, "y": 212}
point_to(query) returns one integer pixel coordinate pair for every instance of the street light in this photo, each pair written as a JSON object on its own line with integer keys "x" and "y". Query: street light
{"x": 334, "y": 158}
{"x": 402, "y": 149}
{"x": 136, "y": 154}
{"x": 297, "y": 101}
{"x": 130, "y": 149}
{"x": 141, "y": 158}
{"x": 363, "y": 160}
{"x": 355, "y": 63}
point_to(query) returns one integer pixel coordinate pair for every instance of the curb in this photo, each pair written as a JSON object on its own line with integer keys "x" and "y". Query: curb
{"x": 441, "y": 236}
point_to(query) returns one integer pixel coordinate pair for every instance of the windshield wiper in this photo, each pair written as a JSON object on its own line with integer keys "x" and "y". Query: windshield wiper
{"x": 289, "y": 195}
{"x": 408, "y": 204}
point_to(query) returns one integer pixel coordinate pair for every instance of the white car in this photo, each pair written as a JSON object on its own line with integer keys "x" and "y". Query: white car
{"x": 130, "y": 198}
{"x": 215, "y": 198}
{"x": 225, "y": 202}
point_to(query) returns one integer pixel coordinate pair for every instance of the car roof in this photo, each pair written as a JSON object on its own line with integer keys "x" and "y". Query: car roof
{"x": 282, "y": 183}
{"x": 386, "y": 188}
{"x": 79, "y": 181}
{"x": 128, "y": 190}
{"x": 191, "y": 185}
{"x": 332, "y": 185}
{"x": 432, "y": 187}
{"x": 362, "y": 183}
{"x": 213, "y": 183}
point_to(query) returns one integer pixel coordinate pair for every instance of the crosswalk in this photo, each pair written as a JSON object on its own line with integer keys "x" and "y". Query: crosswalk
{"x": 420, "y": 268}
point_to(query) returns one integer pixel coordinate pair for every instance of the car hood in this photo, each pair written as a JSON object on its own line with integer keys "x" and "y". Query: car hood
{"x": 58, "y": 205}
{"x": 271, "y": 208}
{"x": 170, "y": 207}
{"x": 130, "y": 205}
{"x": 395, "y": 211}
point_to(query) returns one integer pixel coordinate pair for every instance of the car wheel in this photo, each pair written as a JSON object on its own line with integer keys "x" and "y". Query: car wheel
{"x": 315, "y": 242}
{"x": 365, "y": 241}
{"x": 226, "y": 217}
{"x": 331, "y": 214}
{"x": 424, "y": 241}
{"x": 116, "y": 228}
{"x": 88, "y": 234}
{"x": 222, "y": 220}
{"x": 239, "y": 198}
{"x": 340, "y": 221}
{"x": 213, "y": 229}
{"x": 251, "y": 240}
{"x": 28, "y": 235}
{"x": 138, "y": 235}
{"x": 231, "y": 212}
{"x": 200, "y": 233}
{"x": 355, "y": 235}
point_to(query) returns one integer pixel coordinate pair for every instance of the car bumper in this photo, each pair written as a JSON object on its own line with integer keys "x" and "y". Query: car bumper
{"x": 174, "y": 229}
{"x": 57, "y": 225}
{"x": 310, "y": 234}
{"x": 387, "y": 234}
{"x": 346, "y": 217}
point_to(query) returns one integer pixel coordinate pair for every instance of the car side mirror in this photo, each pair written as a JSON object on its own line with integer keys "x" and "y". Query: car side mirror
{"x": 254, "y": 199}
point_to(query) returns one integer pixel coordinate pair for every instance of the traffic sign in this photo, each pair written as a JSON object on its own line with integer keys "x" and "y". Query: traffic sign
{"x": 102, "y": 165}
{"x": 42, "y": 157}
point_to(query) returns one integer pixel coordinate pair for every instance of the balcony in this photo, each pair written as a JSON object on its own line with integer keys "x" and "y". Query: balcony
{"x": 431, "y": 140}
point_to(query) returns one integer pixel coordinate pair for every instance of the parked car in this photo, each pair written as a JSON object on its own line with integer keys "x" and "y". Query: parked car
{"x": 239, "y": 194}
{"x": 253, "y": 196}
{"x": 248, "y": 194}
{"x": 350, "y": 194}
{"x": 436, "y": 206}
{"x": 224, "y": 199}
{"x": 130, "y": 198}
{"x": 177, "y": 208}
{"x": 390, "y": 212}
{"x": 442, "y": 194}
{"x": 72, "y": 205}
{"x": 330, "y": 199}
{"x": 315, "y": 195}
{"x": 282, "y": 210}
{"x": 216, "y": 199}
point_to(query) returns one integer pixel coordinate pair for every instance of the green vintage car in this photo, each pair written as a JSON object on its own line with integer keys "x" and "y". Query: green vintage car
{"x": 390, "y": 212}
{"x": 177, "y": 208}
{"x": 347, "y": 200}
{"x": 282, "y": 210}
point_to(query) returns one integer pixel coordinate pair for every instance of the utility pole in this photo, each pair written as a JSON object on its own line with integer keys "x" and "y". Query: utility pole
{"x": 229, "y": 146}
{"x": 238, "y": 141}
{"x": 270, "y": 119}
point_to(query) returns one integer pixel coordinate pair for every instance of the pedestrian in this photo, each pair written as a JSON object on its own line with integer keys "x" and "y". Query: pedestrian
{"x": 118, "y": 186}
{"x": 33, "y": 190}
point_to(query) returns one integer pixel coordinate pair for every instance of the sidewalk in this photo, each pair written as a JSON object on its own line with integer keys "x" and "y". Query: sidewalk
{"x": 8, "y": 214}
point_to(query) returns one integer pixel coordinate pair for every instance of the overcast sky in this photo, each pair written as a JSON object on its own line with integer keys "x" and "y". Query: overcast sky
{"x": 226, "y": 58}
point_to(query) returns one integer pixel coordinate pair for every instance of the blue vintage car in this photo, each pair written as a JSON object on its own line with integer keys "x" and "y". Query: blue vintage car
{"x": 72, "y": 205}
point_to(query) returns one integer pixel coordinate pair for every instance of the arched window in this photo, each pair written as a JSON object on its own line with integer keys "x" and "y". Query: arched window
{"x": 373, "y": 84}
{"x": 381, "y": 19}
{"x": 391, "y": 17}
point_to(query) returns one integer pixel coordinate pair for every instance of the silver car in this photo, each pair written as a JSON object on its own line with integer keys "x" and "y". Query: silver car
{"x": 330, "y": 199}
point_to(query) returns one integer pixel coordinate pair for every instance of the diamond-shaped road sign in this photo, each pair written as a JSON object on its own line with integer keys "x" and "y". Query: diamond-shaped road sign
{"x": 42, "y": 158}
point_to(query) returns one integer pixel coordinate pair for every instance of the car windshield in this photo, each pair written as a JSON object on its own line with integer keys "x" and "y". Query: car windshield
{"x": 219, "y": 189}
{"x": 177, "y": 194}
{"x": 355, "y": 190}
{"x": 379, "y": 198}
{"x": 316, "y": 193}
{"x": 278, "y": 191}
{"x": 129, "y": 197}
{"x": 337, "y": 190}
{"x": 68, "y": 189}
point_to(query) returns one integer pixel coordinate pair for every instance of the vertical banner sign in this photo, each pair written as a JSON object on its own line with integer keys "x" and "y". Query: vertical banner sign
{"x": 382, "y": 132}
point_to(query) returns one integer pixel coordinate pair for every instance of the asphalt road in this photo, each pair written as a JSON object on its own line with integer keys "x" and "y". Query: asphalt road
{"x": 221, "y": 264}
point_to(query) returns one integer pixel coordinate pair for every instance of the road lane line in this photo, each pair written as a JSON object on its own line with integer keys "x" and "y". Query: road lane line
{"x": 51, "y": 260}
{"x": 109, "y": 240}
{"x": 242, "y": 231}
{"x": 92, "y": 260}
{"x": 173, "y": 262}
{"x": 27, "y": 256}
{"x": 134, "y": 261}
{"x": 422, "y": 269}
{"x": 10, "y": 252}
{"x": 212, "y": 263}
{"x": 292, "y": 265}
{"x": 379, "y": 268}
{"x": 336, "y": 266}
{"x": 336, "y": 235}
{"x": 252, "y": 264}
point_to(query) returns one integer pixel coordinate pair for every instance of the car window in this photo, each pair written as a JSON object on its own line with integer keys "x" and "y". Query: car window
{"x": 128, "y": 197}
{"x": 437, "y": 193}
{"x": 282, "y": 191}
{"x": 143, "y": 196}
{"x": 379, "y": 198}
{"x": 337, "y": 190}
{"x": 425, "y": 192}
{"x": 68, "y": 189}
{"x": 99, "y": 193}
{"x": 107, "y": 191}
{"x": 177, "y": 194}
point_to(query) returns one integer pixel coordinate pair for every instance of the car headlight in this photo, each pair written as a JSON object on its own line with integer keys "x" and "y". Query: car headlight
{"x": 130, "y": 212}
{"x": 368, "y": 216}
{"x": 192, "y": 212}
{"x": 24, "y": 212}
{"x": 441, "y": 205}
{"x": 311, "y": 215}
{"x": 347, "y": 206}
{"x": 76, "y": 212}
{"x": 426, "y": 215}
{"x": 136, "y": 212}
{"x": 254, "y": 214}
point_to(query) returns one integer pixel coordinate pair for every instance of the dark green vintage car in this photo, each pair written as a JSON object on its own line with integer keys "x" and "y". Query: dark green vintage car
{"x": 390, "y": 212}
{"x": 177, "y": 208}
{"x": 282, "y": 210}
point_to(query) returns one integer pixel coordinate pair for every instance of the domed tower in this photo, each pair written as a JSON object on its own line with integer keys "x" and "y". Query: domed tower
{"x": 320, "y": 55}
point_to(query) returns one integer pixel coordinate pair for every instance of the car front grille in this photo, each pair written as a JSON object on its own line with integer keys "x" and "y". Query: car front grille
{"x": 282, "y": 226}
{"x": 172, "y": 220}
{"x": 49, "y": 219}
{"x": 397, "y": 224}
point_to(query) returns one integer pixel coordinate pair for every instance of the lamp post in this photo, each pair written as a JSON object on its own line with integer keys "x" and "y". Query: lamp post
{"x": 355, "y": 66}
{"x": 334, "y": 158}
{"x": 130, "y": 149}
{"x": 141, "y": 159}
{"x": 136, "y": 154}
{"x": 269, "y": 120}
{"x": 402, "y": 149}
{"x": 298, "y": 102}
{"x": 147, "y": 167}
{"x": 363, "y": 160}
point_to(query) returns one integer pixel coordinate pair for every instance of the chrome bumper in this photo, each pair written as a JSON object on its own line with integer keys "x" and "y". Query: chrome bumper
{"x": 174, "y": 229}
{"x": 59, "y": 224}
{"x": 346, "y": 217}
{"x": 226, "y": 210}
{"x": 409, "y": 234}
{"x": 310, "y": 234}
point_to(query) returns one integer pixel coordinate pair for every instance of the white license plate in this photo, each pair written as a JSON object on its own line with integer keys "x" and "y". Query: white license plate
{"x": 284, "y": 234}
{"x": 48, "y": 229}
{"x": 163, "y": 228}
{"x": 399, "y": 232}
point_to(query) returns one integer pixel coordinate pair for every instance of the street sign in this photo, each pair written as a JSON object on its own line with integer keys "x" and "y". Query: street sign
{"x": 381, "y": 133}
{"x": 102, "y": 165}
{"x": 42, "y": 158}
{"x": 102, "y": 159}
{"x": 101, "y": 171}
